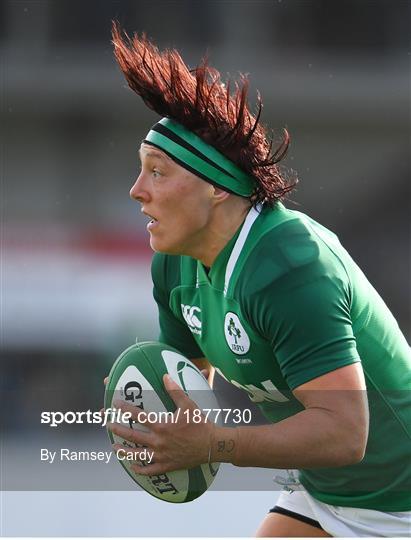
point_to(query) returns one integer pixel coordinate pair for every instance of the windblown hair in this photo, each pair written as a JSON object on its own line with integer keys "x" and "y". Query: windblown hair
{"x": 201, "y": 102}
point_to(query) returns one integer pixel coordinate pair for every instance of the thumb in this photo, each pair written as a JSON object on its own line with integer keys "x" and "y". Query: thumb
{"x": 176, "y": 393}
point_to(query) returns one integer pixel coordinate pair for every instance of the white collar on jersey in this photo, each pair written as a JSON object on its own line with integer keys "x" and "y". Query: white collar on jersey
{"x": 238, "y": 246}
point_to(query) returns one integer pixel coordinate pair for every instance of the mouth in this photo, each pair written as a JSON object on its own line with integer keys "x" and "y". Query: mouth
{"x": 153, "y": 220}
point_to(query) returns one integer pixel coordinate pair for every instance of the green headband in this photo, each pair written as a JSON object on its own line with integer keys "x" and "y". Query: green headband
{"x": 195, "y": 155}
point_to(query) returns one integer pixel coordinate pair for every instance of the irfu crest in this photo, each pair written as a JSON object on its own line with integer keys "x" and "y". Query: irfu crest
{"x": 235, "y": 335}
{"x": 233, "y": 330}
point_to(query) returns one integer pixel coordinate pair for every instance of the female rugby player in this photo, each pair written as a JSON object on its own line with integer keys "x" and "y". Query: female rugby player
{"x": 272, "y": 301}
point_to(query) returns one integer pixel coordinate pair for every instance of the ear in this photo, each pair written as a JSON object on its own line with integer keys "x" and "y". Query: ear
{"x": 218, "y": 194}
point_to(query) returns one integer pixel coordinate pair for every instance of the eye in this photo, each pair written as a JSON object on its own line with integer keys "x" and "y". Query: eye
{"x": 156, "y": 173}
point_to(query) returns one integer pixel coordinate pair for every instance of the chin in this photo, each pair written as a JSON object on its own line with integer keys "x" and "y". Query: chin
{"x": 163, "y": 247}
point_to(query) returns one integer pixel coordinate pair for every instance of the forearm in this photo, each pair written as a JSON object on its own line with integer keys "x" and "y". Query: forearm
{"x": 308, "y": 439}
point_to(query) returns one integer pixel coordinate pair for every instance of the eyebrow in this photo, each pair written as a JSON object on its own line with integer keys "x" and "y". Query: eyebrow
{"x": 154, "y": 154}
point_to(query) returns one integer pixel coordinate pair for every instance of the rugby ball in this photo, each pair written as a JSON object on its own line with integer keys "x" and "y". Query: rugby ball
{"x": 137, "y": 377}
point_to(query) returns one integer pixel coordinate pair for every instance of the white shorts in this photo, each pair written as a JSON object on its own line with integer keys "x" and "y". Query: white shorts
{"x": 342, "y": 520}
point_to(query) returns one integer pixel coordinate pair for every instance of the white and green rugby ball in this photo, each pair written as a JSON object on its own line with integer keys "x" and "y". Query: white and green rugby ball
{"x": 137, "y": 378}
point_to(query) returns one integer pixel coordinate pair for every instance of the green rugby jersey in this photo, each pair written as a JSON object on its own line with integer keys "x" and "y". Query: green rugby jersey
{"x": 284, "y": 303}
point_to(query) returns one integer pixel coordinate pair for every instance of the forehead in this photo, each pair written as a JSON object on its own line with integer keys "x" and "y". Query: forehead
{"x": 148, "y": 151}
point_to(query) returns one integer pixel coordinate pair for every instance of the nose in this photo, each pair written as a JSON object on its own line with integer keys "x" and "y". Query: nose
{"x": 138, "y": 191}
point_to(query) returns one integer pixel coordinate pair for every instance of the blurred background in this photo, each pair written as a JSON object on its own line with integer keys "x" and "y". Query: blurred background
{"x": 75, "y": 258}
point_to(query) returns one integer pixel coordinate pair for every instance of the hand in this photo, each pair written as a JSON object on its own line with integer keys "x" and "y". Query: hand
{"x": 205, "y": 373}
{"x": 177, "y": 444}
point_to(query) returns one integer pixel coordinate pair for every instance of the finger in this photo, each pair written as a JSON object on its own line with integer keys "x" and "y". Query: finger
{"x": 205, "y": 373}
{"x": 150, "y": 470}
{"x": 176, "y": 393}
{"x": 105, "y": 381}
{"x": 133, "y": 435}
{"x": 137, "y": 414}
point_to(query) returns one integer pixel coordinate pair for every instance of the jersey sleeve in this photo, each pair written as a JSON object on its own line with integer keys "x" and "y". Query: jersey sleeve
{"x": 304, "y": 311}
{"x": 173, "y": 331}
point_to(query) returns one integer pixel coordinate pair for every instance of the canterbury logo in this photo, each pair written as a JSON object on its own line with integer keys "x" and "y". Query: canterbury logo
{"x": 191, "y": 316}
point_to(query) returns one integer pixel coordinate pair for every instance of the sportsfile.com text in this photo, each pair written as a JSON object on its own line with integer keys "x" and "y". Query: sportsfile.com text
{"x": 110, "y": 415}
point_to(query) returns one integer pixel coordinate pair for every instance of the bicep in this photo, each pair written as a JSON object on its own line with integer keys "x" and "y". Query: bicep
{"x": 347, "y": 381}
{"x": 342, "y": 395}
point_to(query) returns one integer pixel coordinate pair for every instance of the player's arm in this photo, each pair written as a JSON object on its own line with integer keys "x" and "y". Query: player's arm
{"x": 332, "y": 430}
{"x": 204, "y": 365}
{"x": 306, "y": 315}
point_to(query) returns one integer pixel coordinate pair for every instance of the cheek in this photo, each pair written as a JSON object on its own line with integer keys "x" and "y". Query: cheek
{"x": 196, "y": 199}
{"x": 185, "y": 202}
{"x": 193, "y": 214}
{"x": 185, "y": 206}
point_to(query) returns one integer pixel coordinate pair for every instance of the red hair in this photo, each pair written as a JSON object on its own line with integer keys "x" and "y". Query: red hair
{"x": 201, "y": 102}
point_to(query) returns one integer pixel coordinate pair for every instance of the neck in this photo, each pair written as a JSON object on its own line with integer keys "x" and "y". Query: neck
{"x": 224, "y": 223}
